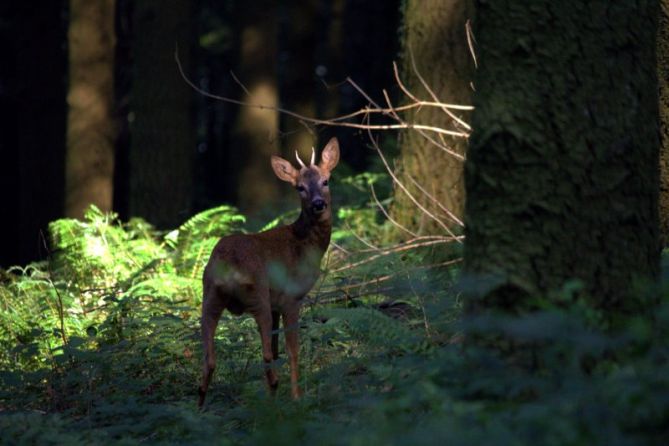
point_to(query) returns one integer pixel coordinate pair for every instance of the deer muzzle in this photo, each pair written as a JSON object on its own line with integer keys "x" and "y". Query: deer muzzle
{"x": 318, "y": 205}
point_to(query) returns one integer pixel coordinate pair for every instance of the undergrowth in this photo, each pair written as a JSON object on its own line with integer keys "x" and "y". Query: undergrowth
{"x": 99, "y": 344}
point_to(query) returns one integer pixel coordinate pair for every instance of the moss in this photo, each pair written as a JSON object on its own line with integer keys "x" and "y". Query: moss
{"x": 561, "y": 176}
{"x": 663, "y": 78}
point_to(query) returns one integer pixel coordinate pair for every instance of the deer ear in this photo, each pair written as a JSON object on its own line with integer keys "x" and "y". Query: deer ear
{"x": 284, "y": 170}
{"x": 330, "y": 155}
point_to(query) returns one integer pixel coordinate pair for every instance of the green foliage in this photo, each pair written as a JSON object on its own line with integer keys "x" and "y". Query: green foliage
{"x": 194, "y": 240}
{"x": 100, "y": 344}
{"x": 359, "y": 218}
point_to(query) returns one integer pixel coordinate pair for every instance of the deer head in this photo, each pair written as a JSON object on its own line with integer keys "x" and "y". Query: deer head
{"x": 311, "y": 181}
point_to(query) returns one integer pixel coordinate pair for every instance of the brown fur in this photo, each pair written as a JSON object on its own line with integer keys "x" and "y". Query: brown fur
{"x": 269, "y": 273}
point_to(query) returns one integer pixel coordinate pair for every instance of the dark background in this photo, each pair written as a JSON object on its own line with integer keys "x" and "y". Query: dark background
{"x": 315, "y": 46}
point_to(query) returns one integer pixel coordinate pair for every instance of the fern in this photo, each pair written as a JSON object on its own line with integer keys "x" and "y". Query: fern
{"x": 369, "y": 327}
{"x": 194, "y": 240}
{"x": 98, "y": 252}
{"x": 126, "y": 372}
{"x": 283, "y": 219}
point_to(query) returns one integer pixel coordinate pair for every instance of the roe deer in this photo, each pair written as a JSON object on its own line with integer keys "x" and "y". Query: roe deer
{"x": 268, "y": 273}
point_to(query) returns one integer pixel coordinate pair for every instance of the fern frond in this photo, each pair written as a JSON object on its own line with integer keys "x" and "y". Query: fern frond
{"x": 193, "y": 241}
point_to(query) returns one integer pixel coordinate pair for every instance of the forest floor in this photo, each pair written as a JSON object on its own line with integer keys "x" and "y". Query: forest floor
{"x": 100, "y": 345}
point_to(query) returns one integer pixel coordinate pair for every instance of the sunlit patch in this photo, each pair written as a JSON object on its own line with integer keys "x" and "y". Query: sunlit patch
{"x": 97, "y": 248}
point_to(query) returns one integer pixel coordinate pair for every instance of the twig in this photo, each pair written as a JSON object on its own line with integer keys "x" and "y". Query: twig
{"x": 401, "y": 108}
{"x": 327, "y": 122}
{"x": 347, "y": 296}
{"x": 470, "y": 41}
{"x": 423, "y": 134}
{"x": 242, "y": 86}
{"x": 405, "y": 190}
{"x": 390, "y": 219}
{"x": 385, "y": 253}
{"x": 341, "y": 248}
{"x": 385, "y": 278}
{"x": 426, "y": 131}
{"x": 434, "y": 96}
{"x": 437, "y": 202}
{"x": 360, "y": 238}
{"x": 392, "y": 109}
{"x": 415, "y": 240}
{"x": 362, "y": 92}
{"x": 403, "y": 87}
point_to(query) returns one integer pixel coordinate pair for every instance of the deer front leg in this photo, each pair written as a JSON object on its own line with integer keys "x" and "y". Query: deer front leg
{"x": 291, "y": 329}
{"x": 212, "y": 307}
{"x": 263, "y": 318}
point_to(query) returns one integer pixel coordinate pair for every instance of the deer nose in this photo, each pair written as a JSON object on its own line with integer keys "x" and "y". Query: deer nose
{"x": 318, "y": 205}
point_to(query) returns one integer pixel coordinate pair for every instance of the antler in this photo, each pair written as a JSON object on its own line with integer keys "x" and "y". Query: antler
{"x": 313, "y": 155}
{"x": 300, "y": 161}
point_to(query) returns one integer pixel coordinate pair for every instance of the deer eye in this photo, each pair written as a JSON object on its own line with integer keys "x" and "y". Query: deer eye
{"x": 325, "y": 182}
{"x": 300, "y": 188}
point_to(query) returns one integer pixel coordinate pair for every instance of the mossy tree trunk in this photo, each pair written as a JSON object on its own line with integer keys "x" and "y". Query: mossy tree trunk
{"x": 162, "y": 129}
{"x": 435, "y": 33}
{"x": 90, "y": 125}
{"x": 561, "y": 176}
{"x": 663, "y": 79}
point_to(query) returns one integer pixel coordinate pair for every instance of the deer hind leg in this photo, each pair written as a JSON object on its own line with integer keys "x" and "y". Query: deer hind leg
{"x": 275, "y": 335}
{"x": 212, "y": 307}
{"x": 263, "y": 317}
{"x": 291, "y": 329}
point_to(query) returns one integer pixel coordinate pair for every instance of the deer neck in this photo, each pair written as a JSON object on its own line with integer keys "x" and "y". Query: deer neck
{"x": 313, "y": 230}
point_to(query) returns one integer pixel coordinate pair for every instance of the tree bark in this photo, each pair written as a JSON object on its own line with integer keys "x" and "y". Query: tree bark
{"x": 663, "y": 80}
{"x": 297, "y": 72}
{"x": 561, "y": 176}
{"x": 90, "y": 126}
{"x": 256, "y": 132}
{"x": 435, "y": 34}
{"x": 162, "y": 128}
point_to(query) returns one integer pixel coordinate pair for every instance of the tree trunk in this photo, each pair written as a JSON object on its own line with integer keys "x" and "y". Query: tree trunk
{"x": 217, "y": 161}
{"x": 256, "y": 133}
{"x": 90, "y": 127}
{"x": 663, "y": 79}
{"x": 297, "y": 72}
{"x": 33, "y": 40}
{"x": 162, "y": 131}
{"x": 435, "y": 34}
{"x": 561, "y": 176}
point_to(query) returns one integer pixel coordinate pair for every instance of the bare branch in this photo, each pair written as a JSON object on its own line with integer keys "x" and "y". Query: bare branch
{"x": 242, "y": 86}
{"x": 390, "y": 219}
{"x": 470, "y": 41}
{"x": 327, "y": 122}
{"x": 406, "y": 191}
{"x": 437, "y": 202}
{"x": 401, "y": 108}
{"x": 388, "y": 252}
{"x": 460, "y": 130}
{"x": 434, "y": 96}
{"x": 362, "y": 92}
{"x": 442, "y": 146}
{"x": 360, "y": 238}
{"x": 415, "y": 240}
{"x": 404, "y": 89}
{"x": 384, "y": 278}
